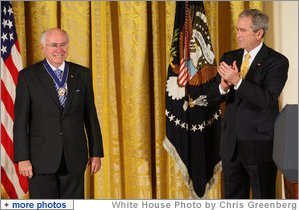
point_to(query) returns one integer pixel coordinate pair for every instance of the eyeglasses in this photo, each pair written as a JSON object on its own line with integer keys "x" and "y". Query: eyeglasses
{"x": 56, "y": 45}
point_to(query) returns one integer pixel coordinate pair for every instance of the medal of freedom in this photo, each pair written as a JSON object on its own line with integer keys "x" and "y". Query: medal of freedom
{"x": 61, "y": 91}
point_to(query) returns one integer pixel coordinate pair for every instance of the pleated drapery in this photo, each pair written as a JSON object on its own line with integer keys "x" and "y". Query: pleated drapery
{"x": 126, "y": 44}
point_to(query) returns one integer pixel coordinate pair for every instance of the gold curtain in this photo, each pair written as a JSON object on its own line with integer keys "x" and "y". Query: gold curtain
{"x": 126, "y": 44}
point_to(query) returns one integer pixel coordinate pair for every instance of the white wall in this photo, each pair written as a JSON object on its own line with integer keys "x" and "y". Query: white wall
{"x": 285, "y": 38}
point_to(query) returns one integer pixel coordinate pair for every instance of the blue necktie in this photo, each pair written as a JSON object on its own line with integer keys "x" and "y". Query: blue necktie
{"x": 62, "y": 98}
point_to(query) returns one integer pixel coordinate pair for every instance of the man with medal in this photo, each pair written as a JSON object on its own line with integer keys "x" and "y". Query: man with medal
{"x": 54, "y": 115}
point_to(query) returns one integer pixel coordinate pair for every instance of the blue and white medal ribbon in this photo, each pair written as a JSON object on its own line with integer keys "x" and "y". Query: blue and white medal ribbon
{"x": 61, "y": 84}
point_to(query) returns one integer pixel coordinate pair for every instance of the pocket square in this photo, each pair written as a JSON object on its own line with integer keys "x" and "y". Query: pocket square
{"x": 78, "y": 91}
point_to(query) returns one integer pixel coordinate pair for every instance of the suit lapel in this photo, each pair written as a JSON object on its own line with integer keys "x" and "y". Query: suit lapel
{"x": 257, "y": 62}
{"x": 70, "y": 85}
{"x": 239, "y": 58}
{"x": 255, "y": 66}
{"x": 48, "y": 83}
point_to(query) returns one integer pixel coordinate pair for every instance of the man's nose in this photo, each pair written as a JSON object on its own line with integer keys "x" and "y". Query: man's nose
{"x": 238, "y": 34}
{"x": 59, "y": 47}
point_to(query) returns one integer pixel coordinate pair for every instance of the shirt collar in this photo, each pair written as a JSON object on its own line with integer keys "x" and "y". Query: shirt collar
{"x": 253, "y": 52}
{"x": 60, "y": 67}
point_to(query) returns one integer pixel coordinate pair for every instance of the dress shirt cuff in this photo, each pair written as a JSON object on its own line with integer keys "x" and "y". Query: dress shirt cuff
{"x": 238, "y": 84}
{"x": 222, "y": 92}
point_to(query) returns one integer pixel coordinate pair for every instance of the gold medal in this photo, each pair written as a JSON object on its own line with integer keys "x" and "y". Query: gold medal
{"x": 61, "y": 91}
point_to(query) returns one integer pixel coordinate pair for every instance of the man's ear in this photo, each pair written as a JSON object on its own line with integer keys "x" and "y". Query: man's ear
{"x": 260, "y": 33}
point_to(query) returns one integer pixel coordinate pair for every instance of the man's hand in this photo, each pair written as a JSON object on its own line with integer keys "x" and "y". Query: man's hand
{"x": 95, "y": 164}
{"x": 230, "y": 74}
{"x": 25, "y": 168}
{"x": 224, "y": 84}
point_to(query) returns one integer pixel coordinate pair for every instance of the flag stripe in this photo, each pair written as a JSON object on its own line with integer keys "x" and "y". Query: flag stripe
{"x": 7, "y": 143}
{"x": 16, "y": 57}
{"x": 8, "y": 80}
{"x": 9, "y": 187}
{"x": 6, "y": 121}
{"x": 7, "y": 100}
{"x": 10, "y": 169}
{"x": 12, "y": 68}
{"x": 21, "y": 184}
{"x": 183, "y": 73}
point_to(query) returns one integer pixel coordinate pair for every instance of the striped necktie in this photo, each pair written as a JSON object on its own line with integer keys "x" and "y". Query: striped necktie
{"x": 62, "y": 98}
{"x": 245, "y": 65}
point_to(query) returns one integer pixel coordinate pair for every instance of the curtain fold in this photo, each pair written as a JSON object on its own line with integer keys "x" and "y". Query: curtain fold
{"x": 126, "y": 45}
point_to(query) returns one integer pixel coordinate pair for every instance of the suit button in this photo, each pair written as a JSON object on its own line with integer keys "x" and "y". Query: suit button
{"x": 60, "y": 134}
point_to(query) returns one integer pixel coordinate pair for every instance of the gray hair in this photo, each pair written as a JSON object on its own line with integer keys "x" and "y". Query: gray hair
{"x": 259, "y": 20}
{"x": 44, "y": 35}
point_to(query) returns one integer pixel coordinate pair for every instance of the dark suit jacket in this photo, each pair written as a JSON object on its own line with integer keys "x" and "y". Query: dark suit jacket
{"x": 251, "y": 110}
{"x": 43, "y": 131}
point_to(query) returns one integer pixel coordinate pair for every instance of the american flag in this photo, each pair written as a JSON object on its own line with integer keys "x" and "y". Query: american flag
{"x": 14, "y": 185}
